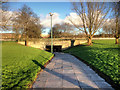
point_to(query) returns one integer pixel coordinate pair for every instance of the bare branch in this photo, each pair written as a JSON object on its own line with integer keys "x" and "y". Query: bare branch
{"x": 92, "y": 14}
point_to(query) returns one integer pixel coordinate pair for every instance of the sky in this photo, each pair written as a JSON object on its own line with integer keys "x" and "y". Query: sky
{"x": 42, "y": 9}
{"x": 60, "y": 11}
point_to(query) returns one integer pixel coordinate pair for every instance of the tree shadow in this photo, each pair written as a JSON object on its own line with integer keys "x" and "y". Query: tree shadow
{"x": 67, "y": 78}
{"x": 72, "y": 43}
{"x": 37, "y": 63}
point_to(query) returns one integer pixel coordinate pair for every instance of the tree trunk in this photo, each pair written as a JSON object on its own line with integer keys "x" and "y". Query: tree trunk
{"x": 26, "y": 42}
{"x": 116, "y": 41}
{"x": 89, "y": 41}
{"x": 16, "y": 40}
{"x": 16, "y": 37}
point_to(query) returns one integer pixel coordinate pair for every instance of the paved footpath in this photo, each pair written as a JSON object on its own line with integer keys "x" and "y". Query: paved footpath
{"x": 66, "y": 71}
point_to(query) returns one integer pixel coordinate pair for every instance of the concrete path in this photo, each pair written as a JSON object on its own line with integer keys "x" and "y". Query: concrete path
{"x": 66, "y": 71}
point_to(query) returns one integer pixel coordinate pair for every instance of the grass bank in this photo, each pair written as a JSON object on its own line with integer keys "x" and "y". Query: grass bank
{"x": 18, "y": 67}
{"x": 103, "y": 55}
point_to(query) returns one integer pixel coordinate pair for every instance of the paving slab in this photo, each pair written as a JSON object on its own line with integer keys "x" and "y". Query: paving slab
{"x": 39, "y": 84}
{"x": 70, "y": 84}
{"x": 53, "y": 84}
{"x": 66, "y": 71}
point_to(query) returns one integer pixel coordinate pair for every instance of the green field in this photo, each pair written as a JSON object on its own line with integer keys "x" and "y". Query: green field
{"x": 103, "y": 55}
{"x": 18, "y": 66}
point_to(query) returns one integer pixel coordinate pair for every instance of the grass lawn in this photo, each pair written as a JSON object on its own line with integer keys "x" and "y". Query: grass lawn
{"x": 18, "y": 67}
{"x": 103, "y": 55}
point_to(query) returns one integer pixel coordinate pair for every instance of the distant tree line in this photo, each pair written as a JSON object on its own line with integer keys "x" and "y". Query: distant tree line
{"x": 103, "y": 35}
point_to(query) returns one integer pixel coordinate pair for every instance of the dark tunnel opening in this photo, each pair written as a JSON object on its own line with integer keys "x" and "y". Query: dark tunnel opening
{"x": 56, "y": 48}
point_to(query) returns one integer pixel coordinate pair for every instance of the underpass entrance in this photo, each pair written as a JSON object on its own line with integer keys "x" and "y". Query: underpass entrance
{"x": 56, "y": 48}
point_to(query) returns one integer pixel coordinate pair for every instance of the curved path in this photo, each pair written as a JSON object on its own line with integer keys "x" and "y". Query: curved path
{"x": 66, "y": 71}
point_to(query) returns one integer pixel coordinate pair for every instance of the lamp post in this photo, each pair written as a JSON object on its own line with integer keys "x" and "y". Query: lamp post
{"x": 51, "y": 34}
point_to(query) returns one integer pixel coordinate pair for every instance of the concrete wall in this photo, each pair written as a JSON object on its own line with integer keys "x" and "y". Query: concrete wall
{"x": 41, "y": 44}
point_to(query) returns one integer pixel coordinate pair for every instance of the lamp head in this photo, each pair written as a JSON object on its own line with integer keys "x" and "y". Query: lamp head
{"x": 50, "y": 14}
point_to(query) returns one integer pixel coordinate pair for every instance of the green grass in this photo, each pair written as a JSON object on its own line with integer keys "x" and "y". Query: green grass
{"x": 103, "y": 55}
{"x": 18, "y": 66}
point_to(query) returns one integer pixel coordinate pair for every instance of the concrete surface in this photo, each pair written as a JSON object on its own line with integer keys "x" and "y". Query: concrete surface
{"x": 66, "y": 71}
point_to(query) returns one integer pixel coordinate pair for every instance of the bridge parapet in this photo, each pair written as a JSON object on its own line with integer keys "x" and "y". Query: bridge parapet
{"x": 41, "y": 44}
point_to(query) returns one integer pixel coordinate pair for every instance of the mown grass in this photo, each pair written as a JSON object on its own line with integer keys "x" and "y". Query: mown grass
{"x": 103, "y": 55}
{"x": 18, "y": 68}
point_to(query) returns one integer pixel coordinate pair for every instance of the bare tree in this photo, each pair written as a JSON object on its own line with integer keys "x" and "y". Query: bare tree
{"x": 92, "y": 15}
{"x": 66, "y": 27}
{"x": 56, "y": 31}
{"x": 27, "y": 23}
{"x": 62, "y": 30}
{"x": 109, "y": 28}
{"x": 67, "y": 30}
{"x": 116, "y": 8}
{"x": 5, "y": 14}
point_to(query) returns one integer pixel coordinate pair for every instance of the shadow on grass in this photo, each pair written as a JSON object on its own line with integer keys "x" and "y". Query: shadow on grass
{"x": 37, "y": 63}
{"x": 99, "y": 43}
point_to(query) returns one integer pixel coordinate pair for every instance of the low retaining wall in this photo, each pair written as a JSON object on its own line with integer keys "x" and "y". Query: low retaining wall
{"x": 41, "y": 44}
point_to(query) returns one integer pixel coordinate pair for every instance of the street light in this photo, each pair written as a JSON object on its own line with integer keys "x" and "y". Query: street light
{"x": 51, "y": 33}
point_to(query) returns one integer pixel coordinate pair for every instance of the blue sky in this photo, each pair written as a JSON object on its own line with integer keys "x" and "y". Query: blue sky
{"x": 43, "y": 8}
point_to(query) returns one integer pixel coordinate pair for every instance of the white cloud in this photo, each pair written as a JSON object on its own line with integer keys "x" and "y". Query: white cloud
{"x": 46, "y": 22}
{"x": 74, "y": 18}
